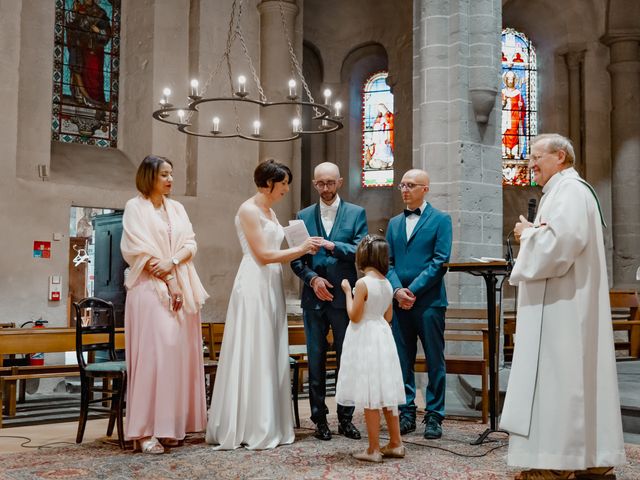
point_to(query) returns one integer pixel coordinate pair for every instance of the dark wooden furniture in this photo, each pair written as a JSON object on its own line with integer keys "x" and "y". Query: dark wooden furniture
{"x": 102, "y": 321}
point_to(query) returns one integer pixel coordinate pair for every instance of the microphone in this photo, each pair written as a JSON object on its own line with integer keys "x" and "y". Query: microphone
{"x": 531, "y": 211}
{"x": 509, "y": 256}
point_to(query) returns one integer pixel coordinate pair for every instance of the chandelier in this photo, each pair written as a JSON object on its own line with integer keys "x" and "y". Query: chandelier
{"x": 192, "y": 120}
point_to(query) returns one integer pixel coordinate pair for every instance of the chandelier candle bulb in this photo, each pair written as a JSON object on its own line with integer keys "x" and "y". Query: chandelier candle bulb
{"x": 338, "y": 107}
{"x": 194, "y": 87}
{"x": 327, "y": 96}
{"x": 296, "y": 125}
{"x": 292, "y": 88}
{"x": 216, "y": 125}
{"x": 256, "y": 128}
{"x": 181, "y": 115}
{"x": 242, "y": 84}
{"x": 165, "y": 95}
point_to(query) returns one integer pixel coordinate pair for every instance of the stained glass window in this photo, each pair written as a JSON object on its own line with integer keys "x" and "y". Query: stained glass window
{"x": 86, "y": 56}
{"x": 377, "y": 132}
{"x": 519, "y": 112}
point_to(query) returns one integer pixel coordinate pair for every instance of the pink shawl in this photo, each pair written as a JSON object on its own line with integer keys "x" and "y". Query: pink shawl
{"x": 145, "y": 235}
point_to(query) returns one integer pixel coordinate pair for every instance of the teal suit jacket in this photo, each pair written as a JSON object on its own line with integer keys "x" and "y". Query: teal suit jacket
{"x": 349, "y": 227}
{"x": 417, "y": 263}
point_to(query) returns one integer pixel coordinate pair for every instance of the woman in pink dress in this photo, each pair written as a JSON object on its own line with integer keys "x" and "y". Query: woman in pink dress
{"x": 165, "y": 389}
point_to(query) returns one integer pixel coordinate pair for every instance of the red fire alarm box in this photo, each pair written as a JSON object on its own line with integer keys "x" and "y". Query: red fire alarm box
{"x": 55, "y": 288}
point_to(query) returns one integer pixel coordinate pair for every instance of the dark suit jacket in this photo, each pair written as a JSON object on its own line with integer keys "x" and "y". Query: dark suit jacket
{"x": 416, "y": 263}
{"x": 349, "y": 228}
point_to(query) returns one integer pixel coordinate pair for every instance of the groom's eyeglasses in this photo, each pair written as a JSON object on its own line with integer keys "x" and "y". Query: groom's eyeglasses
{"x": 410, "y": 186}
{"x": 322, "y": 185}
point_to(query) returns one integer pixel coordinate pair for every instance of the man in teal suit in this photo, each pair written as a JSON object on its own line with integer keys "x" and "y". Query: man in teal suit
{"x": 342, "y": 225}
{"x": 419, "y": 244}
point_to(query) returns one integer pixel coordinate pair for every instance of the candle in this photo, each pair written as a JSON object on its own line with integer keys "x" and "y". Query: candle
{"x": 216, "y": 124}
{"x": 292, "y": 88}
{"x": 181, "y": 115}
{"x": 338, "y": 107}
{"x": 296, "y": 125}
{"x": 194, "y": 87}
{"x": 242, "y": 84}
{"x": 327, "y": 96}
{"x": 165, "y": 95}
{"x": 256, "y": 128}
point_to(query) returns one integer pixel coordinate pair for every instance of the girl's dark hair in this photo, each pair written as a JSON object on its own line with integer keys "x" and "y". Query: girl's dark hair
{"x": 270, "y": 172}
{"x": 148, "y": 173}
{"x": 373, "y": 251}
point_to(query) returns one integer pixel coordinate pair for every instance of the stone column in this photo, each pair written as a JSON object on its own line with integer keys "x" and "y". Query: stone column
{"x": 275, "y": 73}
{"x": 456, "y": 127}
{"x": 574, "y": 61}
{"x": 624, "y": 68}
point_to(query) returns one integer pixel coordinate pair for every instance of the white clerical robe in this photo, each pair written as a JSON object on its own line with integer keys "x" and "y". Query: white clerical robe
{"x": 562, "y": 406}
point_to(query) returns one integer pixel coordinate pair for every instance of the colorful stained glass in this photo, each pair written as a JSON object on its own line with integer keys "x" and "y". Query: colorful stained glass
{"x": 519, "y": 100}
{"x": 377, "y": 132}
{"x": 85, "y": 72}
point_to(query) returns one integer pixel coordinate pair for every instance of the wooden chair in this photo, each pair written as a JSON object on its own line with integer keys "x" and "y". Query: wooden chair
{"x": 625, "y": 315}
{"x": 102, "y": 320}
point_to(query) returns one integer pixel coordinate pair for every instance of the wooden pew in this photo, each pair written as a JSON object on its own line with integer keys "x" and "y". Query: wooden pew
{"x": 475, "y": 330}
{"x": 212, "y": 334}
{"x": 46, "y": 340}
{"x": 54, "y": 340}
{"x": 625, "y": 316}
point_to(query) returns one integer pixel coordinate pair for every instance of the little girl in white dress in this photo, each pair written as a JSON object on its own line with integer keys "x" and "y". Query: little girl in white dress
{"x": 370, "y": 375}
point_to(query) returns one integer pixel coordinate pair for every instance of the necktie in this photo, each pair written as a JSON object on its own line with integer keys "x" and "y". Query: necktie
{"x": 408, "y": 212}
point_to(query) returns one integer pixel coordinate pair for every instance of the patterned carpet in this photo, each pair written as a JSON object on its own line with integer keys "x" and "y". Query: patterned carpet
{"x": 307, "y": 458}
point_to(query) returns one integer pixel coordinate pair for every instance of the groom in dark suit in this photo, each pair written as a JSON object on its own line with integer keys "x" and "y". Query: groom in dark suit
{"x": 419, "y": 244}
{"x": 342, "y": 225}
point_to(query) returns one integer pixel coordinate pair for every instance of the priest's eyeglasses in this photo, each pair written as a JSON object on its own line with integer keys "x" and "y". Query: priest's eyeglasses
{"x": 322, "y": 185}
{"x": 409, "y": 186}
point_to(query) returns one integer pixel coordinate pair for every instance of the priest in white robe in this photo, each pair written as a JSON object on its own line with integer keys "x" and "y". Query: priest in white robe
{"x": 562, "y": 406}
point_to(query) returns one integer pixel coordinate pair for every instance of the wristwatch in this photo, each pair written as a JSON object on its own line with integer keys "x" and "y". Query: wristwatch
{"x": 175, "y": 261}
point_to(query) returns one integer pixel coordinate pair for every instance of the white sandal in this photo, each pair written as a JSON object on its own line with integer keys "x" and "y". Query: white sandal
{"x": 151, "y": 446}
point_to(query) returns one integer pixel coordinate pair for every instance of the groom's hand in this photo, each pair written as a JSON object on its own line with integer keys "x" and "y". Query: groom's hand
{"x": 405, "y": 298}
{"x": 320, "y": 288}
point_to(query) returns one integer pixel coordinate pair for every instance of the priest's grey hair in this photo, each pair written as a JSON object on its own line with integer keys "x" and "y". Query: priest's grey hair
{"x": 555, "y": 143}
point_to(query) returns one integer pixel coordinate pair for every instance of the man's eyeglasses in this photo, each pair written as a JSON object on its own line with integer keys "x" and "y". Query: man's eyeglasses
{"x": 410, "y": 186}
{"x": 321, "y": 185}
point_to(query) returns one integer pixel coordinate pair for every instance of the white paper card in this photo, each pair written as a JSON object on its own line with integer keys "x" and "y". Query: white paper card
{"x": 296, "y": 233}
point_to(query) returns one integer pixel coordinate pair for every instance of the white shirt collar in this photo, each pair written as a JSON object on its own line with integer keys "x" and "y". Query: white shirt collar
{"x": 422, "y": 207}
{"x": 333, "y": 206}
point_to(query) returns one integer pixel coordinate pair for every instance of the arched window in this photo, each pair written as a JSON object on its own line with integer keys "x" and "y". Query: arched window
{"x": 519, "y": 101}
{"x": 377, "y": 132}
{"x": 85, "y": 72}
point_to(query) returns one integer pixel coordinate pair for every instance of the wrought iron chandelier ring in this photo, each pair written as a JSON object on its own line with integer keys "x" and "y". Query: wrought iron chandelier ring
{"x": 322, "y": 113}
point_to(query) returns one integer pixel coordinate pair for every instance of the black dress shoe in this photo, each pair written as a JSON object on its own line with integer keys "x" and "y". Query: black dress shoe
{"x": 433, "y": 428}
{"x": 349, "y": 430}
{"x": 322, "y": 431}
{"x": 407, "y": 425}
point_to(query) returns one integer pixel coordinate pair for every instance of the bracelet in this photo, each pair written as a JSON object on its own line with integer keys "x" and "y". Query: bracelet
{"x": 168, "y": 278}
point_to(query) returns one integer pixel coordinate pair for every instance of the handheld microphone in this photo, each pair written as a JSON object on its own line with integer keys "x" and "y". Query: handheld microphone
{"x": 531, "y": 211}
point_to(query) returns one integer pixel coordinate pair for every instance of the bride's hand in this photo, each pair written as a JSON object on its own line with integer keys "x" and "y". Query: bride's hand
{"x": 312, "y": 245}
{"x": 346, "y": 286}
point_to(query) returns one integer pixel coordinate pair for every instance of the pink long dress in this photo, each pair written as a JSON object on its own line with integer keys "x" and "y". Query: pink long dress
{"x": 165, "y": 389}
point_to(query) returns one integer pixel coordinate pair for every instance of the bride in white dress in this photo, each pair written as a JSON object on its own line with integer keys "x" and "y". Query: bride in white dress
{"x": 251, "y": 402}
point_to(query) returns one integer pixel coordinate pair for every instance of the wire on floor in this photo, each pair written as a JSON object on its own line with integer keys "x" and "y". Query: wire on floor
{"x": 28, "y": 440}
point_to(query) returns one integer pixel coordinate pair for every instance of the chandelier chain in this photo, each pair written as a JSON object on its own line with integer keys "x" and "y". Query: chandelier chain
{"x": 292, "y": 55}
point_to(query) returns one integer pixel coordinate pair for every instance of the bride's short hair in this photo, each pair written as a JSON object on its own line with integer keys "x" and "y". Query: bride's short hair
{"x": 269, "y": 172}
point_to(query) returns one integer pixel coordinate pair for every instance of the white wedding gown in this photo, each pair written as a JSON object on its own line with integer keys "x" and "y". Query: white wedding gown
{"x": 251, "y": 402}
